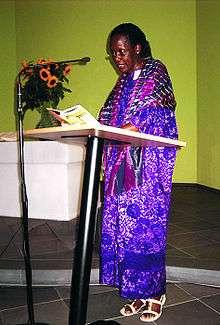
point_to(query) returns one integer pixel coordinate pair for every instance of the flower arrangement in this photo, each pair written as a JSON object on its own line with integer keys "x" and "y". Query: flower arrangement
{"x": 42, "y": 87}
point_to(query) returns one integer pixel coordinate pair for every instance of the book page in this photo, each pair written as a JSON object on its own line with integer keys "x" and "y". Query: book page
{"x": 76, "y": 115}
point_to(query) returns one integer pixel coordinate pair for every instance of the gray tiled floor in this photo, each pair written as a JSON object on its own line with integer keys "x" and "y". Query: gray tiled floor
{"x": 194, "y": 230}
{"x": 193, "y": 242}
{"x": 186, "y": 304}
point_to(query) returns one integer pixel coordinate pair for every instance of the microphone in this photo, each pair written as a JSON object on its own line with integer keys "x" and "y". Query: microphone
{"x": 82, "y": 60}
{"x": 86, "y": 59}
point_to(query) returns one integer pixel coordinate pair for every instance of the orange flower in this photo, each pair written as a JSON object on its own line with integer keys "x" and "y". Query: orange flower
{"x": 40, "y": 61}
{"x": 44, "y": 74}
{"x": 24, "y": 67}
{"x": 52, "y": 81}
{"x": 67, "y": 69}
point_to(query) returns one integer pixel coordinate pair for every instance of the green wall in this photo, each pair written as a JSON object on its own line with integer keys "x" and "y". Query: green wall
{"x": 7, "y": 65}
{"x": 208, "y": 48}
{"x": 73, "y": 29}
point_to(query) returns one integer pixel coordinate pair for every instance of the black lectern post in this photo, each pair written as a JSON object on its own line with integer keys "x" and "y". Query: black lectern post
{"x": 84, "y": 244}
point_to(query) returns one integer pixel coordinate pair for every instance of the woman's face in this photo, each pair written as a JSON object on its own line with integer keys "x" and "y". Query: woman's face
{"x": 126, "y": 57}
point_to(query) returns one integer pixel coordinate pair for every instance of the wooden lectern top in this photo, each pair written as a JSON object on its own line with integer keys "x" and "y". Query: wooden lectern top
{"x": 103, "y": 131}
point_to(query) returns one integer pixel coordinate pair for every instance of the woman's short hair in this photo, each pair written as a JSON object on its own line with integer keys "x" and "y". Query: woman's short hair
{"x": 135, "y": 36}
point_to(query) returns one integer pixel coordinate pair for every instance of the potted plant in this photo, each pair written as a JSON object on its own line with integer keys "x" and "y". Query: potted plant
{"x": 42, "y": 87}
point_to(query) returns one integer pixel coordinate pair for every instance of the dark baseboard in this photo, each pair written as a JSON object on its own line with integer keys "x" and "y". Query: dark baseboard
{"x": 207, "y": 188}
{"x": 196, "y": 185}
{"x": 192, "y": 185}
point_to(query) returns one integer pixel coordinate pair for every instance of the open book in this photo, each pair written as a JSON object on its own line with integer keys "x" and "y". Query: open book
{"x": 76, "y": 115}
{"x": 8, "y": 136}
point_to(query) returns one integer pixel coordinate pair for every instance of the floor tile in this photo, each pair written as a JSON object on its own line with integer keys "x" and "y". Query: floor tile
{"x": 185, "y": 220}
{"x": 46, "y": 245}
{"x": 191, "y": 239}
{"x": 12, "y": 297}
{"x": 204, "y": 251}
{"x": 184, "y": 213}
{"x": 214, "y": 234}
{"x": 199, "y": 291}
{"x": 189, "y": 226}
{"x": 206, "y": 264}
{"x": 67, "y": 241}
{"x": 179, "y": 261}
{"x": 191, "y": 313}
{"x": 131, "y": 320}
{"x": 172, "y": 251}
{"x": 58, "y": 254}
{"x": 213, "y": 301}
{"x": 63, "y": 227}
{"x": 55, "y": 313}
{"x": 176, "y": 295}
{"x": 173, "y": 229}
{"x": 53, "y": 262}
{"x": 5, "y": 233}
{"x": 44, "y": 294}
{"x": 97, "y": 289}
{"x": 63, "y": 292}
{"x": 40, "y": 229}
{"x": 10, "y": 251}
{"x": 104, "y": 305}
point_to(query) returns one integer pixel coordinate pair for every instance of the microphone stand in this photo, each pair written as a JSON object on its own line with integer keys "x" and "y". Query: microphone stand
{"x": 23, "y": 191}
{"x": 24, "y": 209}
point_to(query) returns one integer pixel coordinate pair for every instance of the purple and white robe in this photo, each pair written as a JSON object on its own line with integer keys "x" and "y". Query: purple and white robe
{"x": 138, "y": 183}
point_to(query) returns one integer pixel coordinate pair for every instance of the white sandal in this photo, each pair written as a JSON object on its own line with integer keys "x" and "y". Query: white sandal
{"x": 132, "y": 308}
{"x": 149, "y": 311}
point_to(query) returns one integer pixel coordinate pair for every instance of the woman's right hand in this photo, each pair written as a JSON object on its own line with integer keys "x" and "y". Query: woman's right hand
{"x": 130, "y": 127}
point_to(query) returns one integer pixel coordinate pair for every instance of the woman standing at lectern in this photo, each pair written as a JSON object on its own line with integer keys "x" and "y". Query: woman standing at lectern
{"x": 138, "y": 180}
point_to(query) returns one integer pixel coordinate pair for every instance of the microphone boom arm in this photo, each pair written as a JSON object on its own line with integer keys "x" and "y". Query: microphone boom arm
{"x": 82, "y": 60}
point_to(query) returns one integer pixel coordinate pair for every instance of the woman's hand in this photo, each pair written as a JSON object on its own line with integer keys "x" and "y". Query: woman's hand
{"x": 129, "y": 127}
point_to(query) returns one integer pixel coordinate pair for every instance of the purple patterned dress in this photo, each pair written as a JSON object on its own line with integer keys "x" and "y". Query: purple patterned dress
{"x": 138, "y": 183}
